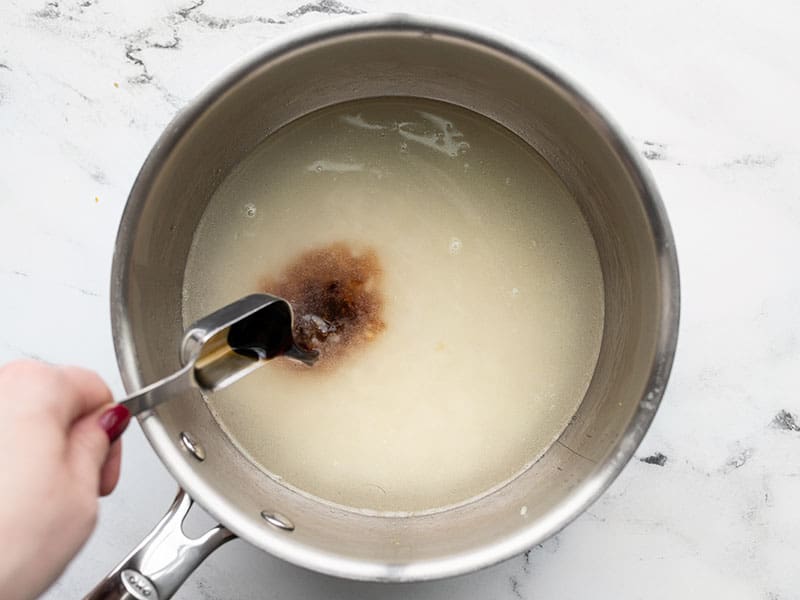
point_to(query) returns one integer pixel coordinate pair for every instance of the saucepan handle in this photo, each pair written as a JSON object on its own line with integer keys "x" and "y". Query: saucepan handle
{"x": 162, "y": 561}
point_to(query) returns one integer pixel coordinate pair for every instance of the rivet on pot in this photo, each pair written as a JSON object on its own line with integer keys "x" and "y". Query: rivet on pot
{"x": 193, "y": 446}
{"x": 277, "y": 520}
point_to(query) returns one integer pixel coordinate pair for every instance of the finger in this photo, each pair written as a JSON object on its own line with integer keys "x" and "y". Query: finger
{"x": 30, "y": 384}
{"x": 114, "y": 420}
{"x": 86, "y": 392}
{"x": 88, "y": 449}
{"x": 109, "y": 473}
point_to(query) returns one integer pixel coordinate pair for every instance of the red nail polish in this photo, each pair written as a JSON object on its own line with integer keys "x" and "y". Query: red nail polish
{"x": 115, "y": 420}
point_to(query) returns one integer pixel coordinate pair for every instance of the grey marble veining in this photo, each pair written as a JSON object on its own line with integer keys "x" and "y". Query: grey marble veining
{"x": 707, "y": 92}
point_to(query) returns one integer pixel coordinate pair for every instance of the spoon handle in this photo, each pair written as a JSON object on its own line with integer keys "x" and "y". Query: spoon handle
{"x": 161, "y": 391}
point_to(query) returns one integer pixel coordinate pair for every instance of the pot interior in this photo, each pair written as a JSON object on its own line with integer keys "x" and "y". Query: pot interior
{"x": 380, "y": 59}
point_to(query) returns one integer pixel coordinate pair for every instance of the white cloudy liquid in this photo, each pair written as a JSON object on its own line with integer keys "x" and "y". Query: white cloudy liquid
{"x": 493, "y": 303}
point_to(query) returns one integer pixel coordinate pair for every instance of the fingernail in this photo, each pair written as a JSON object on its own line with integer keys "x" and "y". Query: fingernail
{"x": 114, "y": 421}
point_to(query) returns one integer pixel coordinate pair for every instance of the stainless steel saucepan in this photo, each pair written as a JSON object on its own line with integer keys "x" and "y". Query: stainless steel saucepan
{"x": 354, "y": 59}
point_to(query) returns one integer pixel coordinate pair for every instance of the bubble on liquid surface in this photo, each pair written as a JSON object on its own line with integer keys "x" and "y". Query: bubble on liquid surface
{"x": 250, "y": 210}
{"x": 360, "y": 122}
{"x": 333, "y": 166}
{"x": 455, "y": 246}
{"x": 434, "y": 132}
{"x": 515, "y": 292}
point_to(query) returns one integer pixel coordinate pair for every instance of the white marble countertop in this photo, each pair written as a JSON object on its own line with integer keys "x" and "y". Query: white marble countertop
{"x": 709, "y": 93}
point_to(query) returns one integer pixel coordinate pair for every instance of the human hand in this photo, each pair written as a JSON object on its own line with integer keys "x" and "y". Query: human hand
{"x": 57, "y": 454}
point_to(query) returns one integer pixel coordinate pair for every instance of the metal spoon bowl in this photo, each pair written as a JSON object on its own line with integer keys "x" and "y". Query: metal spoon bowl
{"x": 225, "y": 346}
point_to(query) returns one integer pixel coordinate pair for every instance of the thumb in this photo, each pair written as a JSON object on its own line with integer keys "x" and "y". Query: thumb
{"x": 90, "y": 439}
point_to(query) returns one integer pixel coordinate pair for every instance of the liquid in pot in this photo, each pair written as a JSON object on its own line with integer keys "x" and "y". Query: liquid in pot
{"x": 446, "y": 274}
